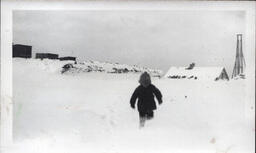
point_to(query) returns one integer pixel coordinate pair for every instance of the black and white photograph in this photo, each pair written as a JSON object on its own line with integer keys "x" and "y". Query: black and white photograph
{"x": 131, "y": 81}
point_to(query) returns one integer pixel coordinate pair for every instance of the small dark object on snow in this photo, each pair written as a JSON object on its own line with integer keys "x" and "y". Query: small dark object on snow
{"x": 66, "y": 67}
{"x": 185, "y": 96}
{"x": 191, "y": 77}
{"x": 119, "y": 70}
{"x": 191, "y": 66}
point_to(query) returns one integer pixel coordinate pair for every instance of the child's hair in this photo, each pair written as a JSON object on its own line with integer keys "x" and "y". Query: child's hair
{"x": 145, "y": 79}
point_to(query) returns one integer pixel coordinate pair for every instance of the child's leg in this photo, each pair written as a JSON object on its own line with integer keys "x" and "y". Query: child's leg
{"x": 150, "y": 114}
{"x": 142, "y": 119}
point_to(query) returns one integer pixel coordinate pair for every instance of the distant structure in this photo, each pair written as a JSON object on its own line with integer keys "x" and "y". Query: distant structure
{"x": 46, "y": 56}
{"x": 19, "y": 50}
{"x": 198, "y": 73}
{"x": 191, "y": 66}
{"x": 239, "y": 62}
{"x": 68, "y": 58}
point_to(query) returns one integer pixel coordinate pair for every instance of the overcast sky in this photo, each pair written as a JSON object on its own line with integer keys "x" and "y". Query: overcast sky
{"x": 155, "y": 39}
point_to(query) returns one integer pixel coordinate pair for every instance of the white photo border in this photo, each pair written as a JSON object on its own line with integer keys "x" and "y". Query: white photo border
{"x": 8, "y": 6}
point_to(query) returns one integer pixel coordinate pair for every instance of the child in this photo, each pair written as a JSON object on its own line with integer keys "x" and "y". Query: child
{"x": 145, "y": 93}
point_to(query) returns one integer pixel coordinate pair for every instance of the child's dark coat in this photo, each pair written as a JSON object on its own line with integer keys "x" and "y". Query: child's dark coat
{"x": 145, "y": 97}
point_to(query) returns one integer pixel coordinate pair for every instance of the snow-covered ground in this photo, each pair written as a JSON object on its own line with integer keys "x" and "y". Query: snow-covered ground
{"x": 90, "y": 112}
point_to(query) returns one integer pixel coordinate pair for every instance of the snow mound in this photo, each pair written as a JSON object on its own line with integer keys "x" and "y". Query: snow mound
{"x": 201, "y": 73}
{"x": 96, "y": 66}
{"x": 48, "y": 65}
{"x": 71, "y": 67}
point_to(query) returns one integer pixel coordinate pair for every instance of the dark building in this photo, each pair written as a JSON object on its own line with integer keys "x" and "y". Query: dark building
{"x": 68, "y": 58}
{"x": 23, "y": 51}
{"x": 47, "y": 55}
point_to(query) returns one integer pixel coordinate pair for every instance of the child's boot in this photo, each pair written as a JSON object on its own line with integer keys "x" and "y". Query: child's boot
{"x": 142, "y": 121}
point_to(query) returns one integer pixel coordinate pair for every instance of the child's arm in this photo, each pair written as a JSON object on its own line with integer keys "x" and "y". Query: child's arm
{"x": 158, "y": 94}
{"x": 133, "y": 98}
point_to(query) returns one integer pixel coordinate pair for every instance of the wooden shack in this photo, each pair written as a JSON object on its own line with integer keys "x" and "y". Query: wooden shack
{"x": 68, "y": 58}
{"x": 46, "y": 56}
{"x": 23, "y": 51}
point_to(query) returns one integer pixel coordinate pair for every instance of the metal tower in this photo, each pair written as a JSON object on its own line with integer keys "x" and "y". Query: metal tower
{"x": 240, "y": 62}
